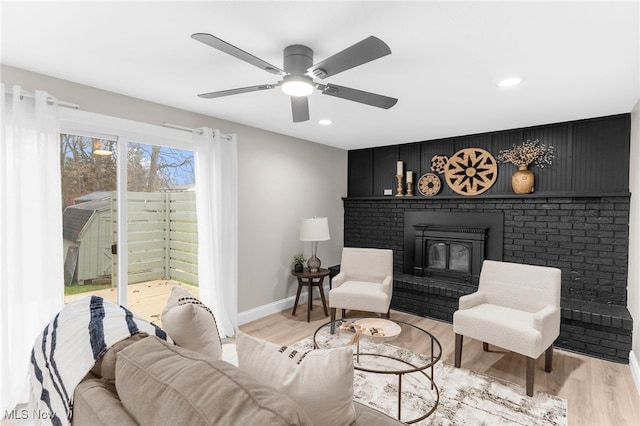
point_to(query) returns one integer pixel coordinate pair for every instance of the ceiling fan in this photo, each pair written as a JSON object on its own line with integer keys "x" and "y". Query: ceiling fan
{"x": 299, "y": 73}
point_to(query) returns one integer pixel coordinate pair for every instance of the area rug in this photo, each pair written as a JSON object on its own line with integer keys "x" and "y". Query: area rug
{"x": 466, "y": 398}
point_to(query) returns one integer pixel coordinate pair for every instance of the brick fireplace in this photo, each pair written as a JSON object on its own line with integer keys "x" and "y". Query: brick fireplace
{"x": 586, "y": 237}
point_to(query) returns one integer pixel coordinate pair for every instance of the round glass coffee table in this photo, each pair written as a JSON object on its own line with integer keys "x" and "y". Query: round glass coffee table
{"x": 399, "y": 349}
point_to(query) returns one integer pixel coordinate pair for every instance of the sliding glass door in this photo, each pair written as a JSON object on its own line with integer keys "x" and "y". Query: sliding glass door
{"x": 129, "y": 221}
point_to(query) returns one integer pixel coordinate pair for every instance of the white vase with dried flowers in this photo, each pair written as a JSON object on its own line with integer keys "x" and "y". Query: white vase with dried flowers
{"x": 523, "y": 155}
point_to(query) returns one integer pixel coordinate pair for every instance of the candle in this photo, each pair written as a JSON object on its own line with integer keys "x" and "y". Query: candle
{"x": 409, "y": 177}
{"x": 399, "y": 168}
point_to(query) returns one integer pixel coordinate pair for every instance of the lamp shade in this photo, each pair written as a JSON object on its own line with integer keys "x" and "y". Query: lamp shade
{"x": 314, "y": 229}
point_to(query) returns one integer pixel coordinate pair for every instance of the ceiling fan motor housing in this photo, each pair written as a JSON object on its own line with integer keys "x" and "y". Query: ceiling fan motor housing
{"x": 297, "y": 59}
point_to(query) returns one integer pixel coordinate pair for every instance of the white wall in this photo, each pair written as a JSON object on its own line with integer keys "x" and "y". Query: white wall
{"x": 633, "y": 289}
{"x": 285, "y": 179}
{"x": 280, "y": 180}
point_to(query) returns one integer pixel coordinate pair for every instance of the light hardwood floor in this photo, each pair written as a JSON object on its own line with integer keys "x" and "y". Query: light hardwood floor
{"x": 598, "y": 392}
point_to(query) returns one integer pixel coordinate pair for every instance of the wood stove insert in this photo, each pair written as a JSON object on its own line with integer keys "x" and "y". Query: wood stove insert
{"x": 450, "y": 246}
{"x": 450, "y": 252}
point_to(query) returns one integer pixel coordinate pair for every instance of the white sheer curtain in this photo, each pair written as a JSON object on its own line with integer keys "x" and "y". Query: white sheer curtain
{"x": 31, "y": 272}
{"x": 217, "y": 209}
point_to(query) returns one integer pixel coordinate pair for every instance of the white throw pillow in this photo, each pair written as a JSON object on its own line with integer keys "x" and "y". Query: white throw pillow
{"x": 191, "y": 324}
{"x": 320, "y": 381}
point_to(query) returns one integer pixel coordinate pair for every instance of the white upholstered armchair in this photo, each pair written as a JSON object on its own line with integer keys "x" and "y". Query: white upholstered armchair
{"x": 516, "y": 307}
{"x": 365, "y": 281}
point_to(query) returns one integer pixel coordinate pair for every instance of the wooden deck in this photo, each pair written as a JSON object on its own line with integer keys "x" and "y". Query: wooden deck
{"x": 145, "y": 299}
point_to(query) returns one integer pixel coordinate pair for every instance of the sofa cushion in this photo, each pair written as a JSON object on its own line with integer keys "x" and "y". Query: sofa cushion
{"x": 95, "y": 402}
{"x": 163, "y": 384}
{"x": 191, "y": 324}
{"x": 320, "y": 381}
{"x": 367, "y": 416}
{"x": 106, "y": 366}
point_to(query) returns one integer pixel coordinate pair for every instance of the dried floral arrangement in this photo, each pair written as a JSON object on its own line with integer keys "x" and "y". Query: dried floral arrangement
{"x": 527, "y": 153}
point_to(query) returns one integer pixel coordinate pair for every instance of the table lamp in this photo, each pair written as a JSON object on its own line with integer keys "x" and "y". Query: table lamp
{"x": 314, "y": 229}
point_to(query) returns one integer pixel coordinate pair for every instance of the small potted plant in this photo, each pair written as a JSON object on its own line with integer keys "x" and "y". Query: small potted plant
{"x": 298, "y": 262}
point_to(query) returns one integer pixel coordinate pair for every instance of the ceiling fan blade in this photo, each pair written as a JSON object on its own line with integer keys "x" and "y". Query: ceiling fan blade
{"x": 236, "y": 91}
{"x": 355, "y": 95}
{"x": 230, "y": 49}
{"x": 300, "y": 108}
{"x": 367, "y": 50}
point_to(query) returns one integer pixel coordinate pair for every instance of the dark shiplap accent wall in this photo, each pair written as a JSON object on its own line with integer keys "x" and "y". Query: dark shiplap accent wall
{"x": 591, "y": 157}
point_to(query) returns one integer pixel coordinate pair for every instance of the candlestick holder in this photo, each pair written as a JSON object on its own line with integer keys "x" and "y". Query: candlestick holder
{"x": 409, "y": 189}
{"x": 399, "y": 192}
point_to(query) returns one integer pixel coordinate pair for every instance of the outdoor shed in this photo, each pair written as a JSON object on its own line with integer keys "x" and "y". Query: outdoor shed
{"x": 88, "y": 236}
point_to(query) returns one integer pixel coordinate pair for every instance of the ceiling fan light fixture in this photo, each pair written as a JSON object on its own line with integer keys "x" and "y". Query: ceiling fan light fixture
{"x": 297, "y": 85}
{"x": 510, "y": 81}
{"x": 100, "y": 148}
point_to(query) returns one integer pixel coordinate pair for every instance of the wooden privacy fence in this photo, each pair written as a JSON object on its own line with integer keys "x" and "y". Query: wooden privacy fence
{"x": 162, "y": 236}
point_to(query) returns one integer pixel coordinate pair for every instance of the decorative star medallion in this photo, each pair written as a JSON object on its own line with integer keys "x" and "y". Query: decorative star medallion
{"x": 471, "y": 171}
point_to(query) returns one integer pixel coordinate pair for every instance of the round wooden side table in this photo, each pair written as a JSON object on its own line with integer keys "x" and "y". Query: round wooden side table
{"x": 307, "y": 278}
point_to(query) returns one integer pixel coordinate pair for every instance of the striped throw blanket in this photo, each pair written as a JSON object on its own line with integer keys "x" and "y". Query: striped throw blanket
{"x": 69, "y": 346}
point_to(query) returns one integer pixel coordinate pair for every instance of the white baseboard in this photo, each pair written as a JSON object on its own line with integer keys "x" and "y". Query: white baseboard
{"x": 274, "y": 307}
{"x": 635, "y": 369}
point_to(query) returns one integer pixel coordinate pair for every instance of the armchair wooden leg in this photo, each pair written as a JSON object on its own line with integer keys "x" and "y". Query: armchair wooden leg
{"x": 531, "y": 363}
{"x": 458, "y": 354}
{"x": 548, "y": 359}
{"x": 485, "y": 346}
{"x": 344, "y": 313}
{"x": 386, "y": 315}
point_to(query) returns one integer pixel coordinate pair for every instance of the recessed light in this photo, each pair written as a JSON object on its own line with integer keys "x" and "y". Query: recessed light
{"x": 325, "y": 122}
{"x": 510, "y": 81}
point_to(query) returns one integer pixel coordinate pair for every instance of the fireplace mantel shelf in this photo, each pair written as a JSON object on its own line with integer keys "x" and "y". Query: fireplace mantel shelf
{"x": 499, "y": 196}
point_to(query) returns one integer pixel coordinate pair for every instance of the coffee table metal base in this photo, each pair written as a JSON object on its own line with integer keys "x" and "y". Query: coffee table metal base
{"x": 424, "y": 369}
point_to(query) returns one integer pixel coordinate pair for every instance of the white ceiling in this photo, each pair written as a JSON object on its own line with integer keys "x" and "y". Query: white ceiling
{"x": 579, "y": 60}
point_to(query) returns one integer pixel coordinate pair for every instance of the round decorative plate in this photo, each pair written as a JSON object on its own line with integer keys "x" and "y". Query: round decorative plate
{"x": 471, "y": 171}
{"x": 429, "y": 184}
{"x": 389, "y": 329}
{"x": 438, "y": 163}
